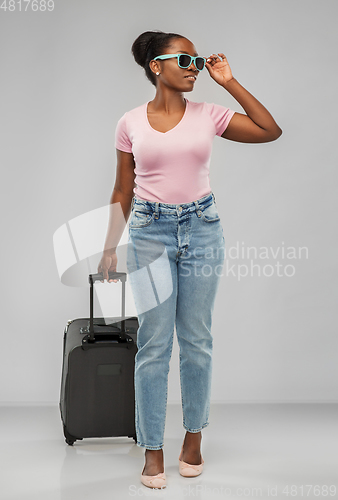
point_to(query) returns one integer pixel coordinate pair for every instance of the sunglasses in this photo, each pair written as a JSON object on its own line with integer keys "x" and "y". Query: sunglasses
{"x": 185, "y": 60}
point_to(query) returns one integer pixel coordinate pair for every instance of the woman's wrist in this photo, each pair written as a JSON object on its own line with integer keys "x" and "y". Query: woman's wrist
{"x": 225, "y": 85}
{"x": 109, "y": 251}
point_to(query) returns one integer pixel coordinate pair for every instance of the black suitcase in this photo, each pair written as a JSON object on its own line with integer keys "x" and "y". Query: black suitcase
{"x": 97, "y": 397}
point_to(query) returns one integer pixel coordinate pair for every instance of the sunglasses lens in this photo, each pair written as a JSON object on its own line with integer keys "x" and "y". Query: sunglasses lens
{"x": 199, "y": 63}
{"x": 184, "y": 61}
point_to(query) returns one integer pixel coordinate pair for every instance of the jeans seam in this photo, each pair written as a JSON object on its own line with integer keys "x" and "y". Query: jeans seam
{"x": 166, "y": 396}
{"x": 182, "y": 403}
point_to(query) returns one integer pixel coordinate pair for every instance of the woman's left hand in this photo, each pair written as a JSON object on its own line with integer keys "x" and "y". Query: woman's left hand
{"x": 218, "y": 68}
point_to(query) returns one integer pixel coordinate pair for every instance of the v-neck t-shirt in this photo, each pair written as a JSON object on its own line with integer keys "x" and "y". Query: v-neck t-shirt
{"x": 173, "y": 166}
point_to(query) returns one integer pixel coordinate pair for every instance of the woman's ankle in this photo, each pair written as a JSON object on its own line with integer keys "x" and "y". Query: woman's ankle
{"x": 154, "y": 456}
{"x": 192, "y": 440}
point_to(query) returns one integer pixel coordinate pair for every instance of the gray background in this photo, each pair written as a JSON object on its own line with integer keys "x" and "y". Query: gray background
{"x": 67, "y": 76}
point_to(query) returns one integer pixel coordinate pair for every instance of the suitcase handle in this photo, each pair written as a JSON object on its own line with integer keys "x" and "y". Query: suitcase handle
{"x": 111, "y": 275}
{"x": 99, "y": 277}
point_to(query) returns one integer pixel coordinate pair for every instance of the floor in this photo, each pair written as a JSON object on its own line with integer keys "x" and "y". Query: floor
{"x": 276, "y": 451}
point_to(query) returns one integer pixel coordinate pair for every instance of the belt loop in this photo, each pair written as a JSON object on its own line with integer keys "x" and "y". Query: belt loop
{"x": 132, "y": 203}
{"x": 197, "y": 208}
{"x": 213, "y": 197}
{"x": 156, "y": 209}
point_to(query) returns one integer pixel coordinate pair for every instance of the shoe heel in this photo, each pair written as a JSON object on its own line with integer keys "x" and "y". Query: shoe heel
{"x": 189, "y": 470}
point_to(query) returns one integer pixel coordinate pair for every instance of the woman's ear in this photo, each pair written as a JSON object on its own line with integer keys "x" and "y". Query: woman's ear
{"x": 154, "y": 66}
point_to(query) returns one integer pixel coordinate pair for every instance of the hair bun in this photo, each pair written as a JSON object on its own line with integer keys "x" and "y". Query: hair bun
{"x": 141, "y": 46}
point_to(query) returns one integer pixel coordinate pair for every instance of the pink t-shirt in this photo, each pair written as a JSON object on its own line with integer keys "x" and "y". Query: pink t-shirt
{"x": 172, "y": 167}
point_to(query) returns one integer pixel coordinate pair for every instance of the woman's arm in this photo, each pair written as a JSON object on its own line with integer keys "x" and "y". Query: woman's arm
{"x": 119, "y": 211}
{"x": 257, "y": 125}
{"x": 120, "y": 202}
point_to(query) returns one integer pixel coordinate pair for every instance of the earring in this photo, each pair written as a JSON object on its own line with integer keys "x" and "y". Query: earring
{"x": 157, "y": 73}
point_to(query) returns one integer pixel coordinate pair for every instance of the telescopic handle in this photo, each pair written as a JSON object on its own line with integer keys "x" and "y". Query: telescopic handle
{"x": 99, "y": 277}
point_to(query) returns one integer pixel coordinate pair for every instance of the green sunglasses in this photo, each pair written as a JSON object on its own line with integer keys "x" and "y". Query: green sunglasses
{"x": 185, "y": 60}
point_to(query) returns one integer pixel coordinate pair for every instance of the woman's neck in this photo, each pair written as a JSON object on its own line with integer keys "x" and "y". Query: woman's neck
{"x": 167, "y": 102}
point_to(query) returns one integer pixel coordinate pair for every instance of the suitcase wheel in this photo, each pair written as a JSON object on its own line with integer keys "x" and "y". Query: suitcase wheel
{"x": 69, "y": 438}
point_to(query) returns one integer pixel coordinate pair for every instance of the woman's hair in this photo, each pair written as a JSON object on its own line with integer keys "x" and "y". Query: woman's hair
{"x": 148, "y": 45}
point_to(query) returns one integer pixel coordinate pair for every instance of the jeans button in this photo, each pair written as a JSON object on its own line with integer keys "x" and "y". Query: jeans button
{"x": 180, "y": 209}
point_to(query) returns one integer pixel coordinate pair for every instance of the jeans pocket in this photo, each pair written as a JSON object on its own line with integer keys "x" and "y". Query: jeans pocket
{"x": 210, "y": 213}
{"x": 141, "y": 218}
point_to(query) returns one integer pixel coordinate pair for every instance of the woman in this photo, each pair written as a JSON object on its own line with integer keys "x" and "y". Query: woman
{"x": 176, "y": 238}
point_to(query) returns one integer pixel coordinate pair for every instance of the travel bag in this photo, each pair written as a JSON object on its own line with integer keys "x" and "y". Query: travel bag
{"x": 97, "y": 397}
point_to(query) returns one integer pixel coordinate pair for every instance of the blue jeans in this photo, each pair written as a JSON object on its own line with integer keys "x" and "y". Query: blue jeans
{"x": 175, "y": 260}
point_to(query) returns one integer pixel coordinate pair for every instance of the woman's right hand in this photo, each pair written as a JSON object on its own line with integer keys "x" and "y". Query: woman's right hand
{"x": 107, "y": 264}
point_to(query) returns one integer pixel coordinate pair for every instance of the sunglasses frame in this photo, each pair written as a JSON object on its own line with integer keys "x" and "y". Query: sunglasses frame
{"x": 192, "y": 59}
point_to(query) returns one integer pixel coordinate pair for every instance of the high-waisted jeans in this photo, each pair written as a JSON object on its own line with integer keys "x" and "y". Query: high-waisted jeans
{"x": 175, "y": 260}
